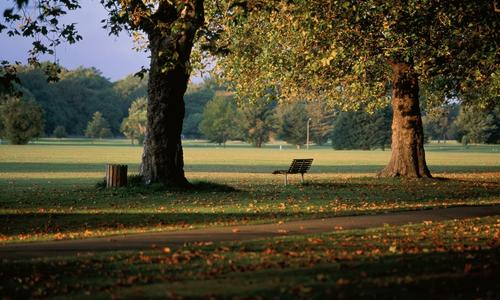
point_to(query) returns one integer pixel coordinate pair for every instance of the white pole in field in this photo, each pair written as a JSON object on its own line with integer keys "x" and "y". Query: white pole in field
{"x": 307, "y": 142}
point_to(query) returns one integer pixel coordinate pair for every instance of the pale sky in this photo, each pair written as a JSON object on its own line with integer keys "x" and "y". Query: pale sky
{"x": 112, "y": 55}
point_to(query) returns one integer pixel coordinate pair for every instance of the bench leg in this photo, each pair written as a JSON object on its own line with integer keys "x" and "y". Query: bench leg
{"x": 286, "y": 179}
{"x": 302, "y": 180}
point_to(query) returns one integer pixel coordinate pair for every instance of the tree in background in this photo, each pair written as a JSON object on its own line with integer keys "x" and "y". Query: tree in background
{"x": 475, "y": 125}
{"x": 378, "y": 129}
{"x": 134, "y": 126}
{"x": 495, "y": 135}
{"x": 97, "y": 127}
{"x": 438, "y": 122}
{"x": 362, "y": 130}
{"x": 196, "y": 97}
{"x": 347, "y": 130}
{"x": 257, "y": 122}
{"x": 483, "y": 101}
{"x": 20, "y": 120}
{"x": 220, "y": 121}
{"x": 346, "y": 53}
{"x": 72, "y": 100}
{"x": 60, "y": 132}
{"x": 321, "y": 121}
{"x": 132, "y": 87}
{"x": 293, "y": 123}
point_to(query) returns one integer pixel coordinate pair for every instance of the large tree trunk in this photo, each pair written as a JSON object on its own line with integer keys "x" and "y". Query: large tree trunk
{"x": 163, "y": 159}
{"x": 408, "y": 155}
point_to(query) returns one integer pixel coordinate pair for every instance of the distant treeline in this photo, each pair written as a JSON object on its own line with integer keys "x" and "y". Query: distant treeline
{"x": 83, "y": 102}
{"x": 72, "y": 101}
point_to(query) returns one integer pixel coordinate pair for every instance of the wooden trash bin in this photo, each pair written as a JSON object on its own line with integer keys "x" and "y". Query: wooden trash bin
{"x": 116, "y": 175}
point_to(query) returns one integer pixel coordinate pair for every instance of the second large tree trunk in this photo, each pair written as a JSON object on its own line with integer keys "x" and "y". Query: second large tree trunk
{"x": 163, "y": 159}
{"x": 408, "y": 155}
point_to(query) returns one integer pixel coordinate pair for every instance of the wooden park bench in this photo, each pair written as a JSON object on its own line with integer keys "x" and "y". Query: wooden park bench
{"x": 298, "y": 166}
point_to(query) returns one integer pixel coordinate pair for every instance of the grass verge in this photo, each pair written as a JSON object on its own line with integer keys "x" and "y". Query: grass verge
{"x": 451, "y": 260}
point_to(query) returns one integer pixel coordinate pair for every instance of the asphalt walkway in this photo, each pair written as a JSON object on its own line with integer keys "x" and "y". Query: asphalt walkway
{"x": 146, "y": 241}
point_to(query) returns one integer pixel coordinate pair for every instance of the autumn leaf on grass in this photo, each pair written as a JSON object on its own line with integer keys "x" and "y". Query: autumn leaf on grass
{"x": 467, "y": 268}
{"x": 321, "y": 277}
{"x": 343, "y": 281}
{"x": 132, "y": 279}
{"x": 315, "y": 241}
{"x": 59, "y": 236}
{"x": 268, "y": 251}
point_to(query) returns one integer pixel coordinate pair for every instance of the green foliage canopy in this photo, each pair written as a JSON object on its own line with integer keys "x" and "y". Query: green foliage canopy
{"x": 258, "y": 120}
{"x": 475, "y": 125}
{"x": 361, "y": 130}
{"x": 20, "y": 120}
{"x": 293, "y": 123}
{"x": 322, "y": 118}
{"x": 134, "y": 126}
{"x": 72, "y": 100}
{"x": 220, "y": 119}
{"x": 59, "y": 132}
{"x": 341, "y": 50}
{"x": 97, "y": 127}
{"x": 196, "y": 97}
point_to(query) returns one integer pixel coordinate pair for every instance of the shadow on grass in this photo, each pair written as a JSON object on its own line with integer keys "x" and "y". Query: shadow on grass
{"x": 193, "y": 187}
{"x": 410, "y": 276}
{"x": 9, "y": 167}
{"x": 347, "y": 194}
{"x": 206, "y": 186}
{"x": 387, "y": 182}
{"x": 407, "y": 276}
{"x": 50, "y": 223}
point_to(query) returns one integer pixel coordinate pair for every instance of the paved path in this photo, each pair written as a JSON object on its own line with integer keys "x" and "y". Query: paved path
{"x": 147, "y": 241}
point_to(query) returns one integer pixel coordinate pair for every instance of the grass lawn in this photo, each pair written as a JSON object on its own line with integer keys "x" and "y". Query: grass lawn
{"x": 48, "y": 191}
{"x": 447, "y": 260}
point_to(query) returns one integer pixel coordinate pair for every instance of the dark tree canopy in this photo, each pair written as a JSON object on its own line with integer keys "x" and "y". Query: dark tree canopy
{"x": 361, "y": 130}
{"x": 72, "y": 100}
{"x": 20, "y": 120}
{"x": 293, "y": 123}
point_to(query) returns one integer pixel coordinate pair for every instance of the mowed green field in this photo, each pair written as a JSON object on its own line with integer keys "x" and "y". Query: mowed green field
{"x": 48, "y": 191}
{"x": 79, "y": 159}
{"x": 48, "y": 188}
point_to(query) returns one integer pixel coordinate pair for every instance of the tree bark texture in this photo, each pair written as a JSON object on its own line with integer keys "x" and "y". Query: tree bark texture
{"x": 408, "y": 155}
{"x": 170, "y": 42}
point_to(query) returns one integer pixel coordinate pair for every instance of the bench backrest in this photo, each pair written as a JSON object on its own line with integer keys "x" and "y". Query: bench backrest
{"x": 300, "y": 165}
